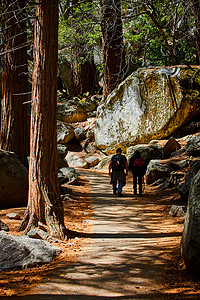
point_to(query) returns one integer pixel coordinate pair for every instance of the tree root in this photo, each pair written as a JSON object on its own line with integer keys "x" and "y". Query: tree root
{"x": 24, "y": 221}
{"x": 28, "y": 222}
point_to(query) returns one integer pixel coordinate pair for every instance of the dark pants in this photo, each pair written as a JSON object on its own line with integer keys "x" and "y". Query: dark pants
{"x": 137, "y": 179}
{"x": 118, "y": 177}
{"x": 120, "y": 186}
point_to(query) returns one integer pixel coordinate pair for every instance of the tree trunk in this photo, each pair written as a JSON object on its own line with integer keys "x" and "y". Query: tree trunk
{"x": 84, "y": 73}
{"x": 173, "y": 55}
{"x": 114, "y": 69}
{"x": 84, "y": 76}
{"x": 197, "y": 23}
{"x": 44, "y": 202}
{"x": 14, "y": 110}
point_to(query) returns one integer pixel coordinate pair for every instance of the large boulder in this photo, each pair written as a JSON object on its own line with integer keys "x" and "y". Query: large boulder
{"x": 148, "y": 152}
{"x": 104, "y": 163}
{"x": 193, "y": 145}
{"x": 171, "y": 146}
{"x": 3, "y": 226}
{"x": 13, "y": 181}
{"x": 65, "y": 133}
{"x": 89, "y": 104}
{"x": 149, "y": 104}
{"x": 75, "y": 161}
{"x": 62, "y": 152}
{"x": 190, "y": 243}
{"x": 184, "y": 188}
{"x": 157, "y": 169}
{"x": 79, "y": 133}
{"x": 71, "y": 112}
{"x": 22, "y": 251}
{"x": 67, "y": 174}
{"x": 92, "y": 161}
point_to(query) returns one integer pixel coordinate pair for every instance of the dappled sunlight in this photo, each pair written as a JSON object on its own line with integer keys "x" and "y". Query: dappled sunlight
{"x": 127, "y": 249}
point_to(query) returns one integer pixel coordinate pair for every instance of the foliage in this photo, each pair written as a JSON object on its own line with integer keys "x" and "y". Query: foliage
{"x": 79, "y": 27}
{"x": 143, "y": 40}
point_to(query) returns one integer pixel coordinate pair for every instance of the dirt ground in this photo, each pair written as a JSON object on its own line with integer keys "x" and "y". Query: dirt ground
{"x": 78, "y": 207}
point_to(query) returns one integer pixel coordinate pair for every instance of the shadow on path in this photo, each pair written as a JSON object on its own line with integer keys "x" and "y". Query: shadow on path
{"x": 126, "y": 253}
{"x": 89, "y": 297}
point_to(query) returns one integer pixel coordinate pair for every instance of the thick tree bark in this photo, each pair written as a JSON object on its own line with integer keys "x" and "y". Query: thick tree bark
{"x": 114, "y": 69}
{"x": 44, "y": 202}
{"x": 84, "y": 75}
{"x": 197, "y": 23}
{"x": 14, "y": 110}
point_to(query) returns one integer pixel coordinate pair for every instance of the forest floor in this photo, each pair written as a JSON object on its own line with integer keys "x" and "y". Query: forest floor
{"x": 130, "y": 248}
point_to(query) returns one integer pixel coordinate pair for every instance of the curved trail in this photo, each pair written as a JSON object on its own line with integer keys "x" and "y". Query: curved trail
{"x": 126, "y": 255}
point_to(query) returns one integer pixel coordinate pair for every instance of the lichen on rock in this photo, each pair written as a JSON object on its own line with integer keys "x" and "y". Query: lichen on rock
{"x": 149, "y": 104}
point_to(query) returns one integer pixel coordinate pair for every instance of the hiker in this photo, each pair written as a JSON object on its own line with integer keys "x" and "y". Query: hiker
{"x": 118, "y": 164}
{"x": 138, "y": 168}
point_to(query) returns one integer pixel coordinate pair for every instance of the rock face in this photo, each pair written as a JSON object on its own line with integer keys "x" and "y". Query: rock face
{"x": 75, "y": 161}
{"x": 149, "y": 104}
{"x": 62, "y": 152}
{"x": 184, "y": 188}
{"x": 65, "y": 133}
{"x": 171, "y": 146}
{"x": 193, "y": 146}
{"x": 3, "y": 226}
{"x": 104, "y": 163}
{"x": 157, "y": 169}
{"x": 13, "y": 181}
{"x": 71, "y": 112}
{"x": 148, "y": 152}
{"x": 177, "y": 211}
{"x": 67, "y": 174}
{"x": 190, "y": 243}
{"x": 79, "y": 134}
{"x": 22, "y": 251}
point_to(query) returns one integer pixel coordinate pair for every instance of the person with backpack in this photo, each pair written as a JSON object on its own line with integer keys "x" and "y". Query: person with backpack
{"x": 138, "y": 168}
{"x": 117, "y": 166}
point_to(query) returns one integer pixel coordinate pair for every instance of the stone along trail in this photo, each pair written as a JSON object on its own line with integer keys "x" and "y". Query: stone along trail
{"x": 127, "y": 253}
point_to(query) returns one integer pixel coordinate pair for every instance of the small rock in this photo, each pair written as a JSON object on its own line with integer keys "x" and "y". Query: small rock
{"x": 3, "y": 226}
{"x": 79, "y": 134}
{"x": 68, "y": 173}
{"x": 159, "y": 181}
{"x": 171, "y": 146}
{"x": 177, "y": 211}
{"x": 88, "y": 221}
{"x": 22, "y": 251}
{"x": 92, "y": 161}
{"x": 40, "y": 234}
{"x": 65, "y": 133}
{"x": 13, "y": 216}
{"x": 90, "y": 134}
{"x": 70, "y": 244}
{"x": 41, "y": 226}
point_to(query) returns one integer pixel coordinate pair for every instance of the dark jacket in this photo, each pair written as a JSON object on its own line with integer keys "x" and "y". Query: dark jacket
{"x": 139, "y": 171}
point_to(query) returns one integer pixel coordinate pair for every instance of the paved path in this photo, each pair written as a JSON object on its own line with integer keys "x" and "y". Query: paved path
{"x": 126, "y": 256}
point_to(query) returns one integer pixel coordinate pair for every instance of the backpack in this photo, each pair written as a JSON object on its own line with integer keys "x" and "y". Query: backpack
{"x": 139, "y": 162}
{"x": 118, "y": 162}
{"x": 140, "y": 166}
